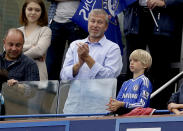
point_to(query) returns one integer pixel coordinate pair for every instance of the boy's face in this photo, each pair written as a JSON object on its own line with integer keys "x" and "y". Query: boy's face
{"x": 136, "y": 66}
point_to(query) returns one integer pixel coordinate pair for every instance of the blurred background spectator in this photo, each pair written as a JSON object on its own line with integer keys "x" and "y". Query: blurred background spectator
{"x": 64, "y": 31}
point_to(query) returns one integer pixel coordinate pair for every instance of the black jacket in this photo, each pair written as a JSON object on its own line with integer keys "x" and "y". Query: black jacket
{"x": 23, "y": 69}
{"x": 169, "y": 18}
{"x": 177, "y": 97}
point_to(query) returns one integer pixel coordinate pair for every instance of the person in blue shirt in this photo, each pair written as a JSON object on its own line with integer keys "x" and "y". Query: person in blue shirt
{"x": 136, "y": 91}
{"x": 156, "y": 24}
{"x": 94, "y": 57}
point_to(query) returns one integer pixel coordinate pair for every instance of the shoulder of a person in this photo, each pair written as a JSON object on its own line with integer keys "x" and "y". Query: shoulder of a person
{"x": 145, "y": 80}
{"x": 127, "y": 81}
{"x": 109, "y": 42}
{"x": 45, "y": 28}
{"x": 27, "y": 60}
{"x": 145, "y": 77}
{"x": 21, "y": 28}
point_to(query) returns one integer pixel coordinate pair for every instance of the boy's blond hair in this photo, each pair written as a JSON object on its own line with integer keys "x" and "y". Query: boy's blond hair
{"x": 143, "y": 56}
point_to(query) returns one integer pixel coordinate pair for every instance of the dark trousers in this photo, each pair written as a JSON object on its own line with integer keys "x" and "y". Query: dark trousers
{"x": 61, "y": 33}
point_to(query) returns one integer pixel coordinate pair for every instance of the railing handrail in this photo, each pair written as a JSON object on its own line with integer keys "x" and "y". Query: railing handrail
{"x": 52, "y": 115}
{"x": 161, "y": 112}
{"x": 166, "y": 84}
{"x": 70, "y": 115}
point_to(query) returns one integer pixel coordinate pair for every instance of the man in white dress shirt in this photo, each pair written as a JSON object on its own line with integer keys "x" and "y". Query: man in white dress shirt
{"x": 94, "y": 57}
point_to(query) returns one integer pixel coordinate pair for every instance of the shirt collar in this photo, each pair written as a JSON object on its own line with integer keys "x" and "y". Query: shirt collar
{"x": 138, "y": 77}
{"x": 101, "y": 41}
{"x": 18, "y": 59}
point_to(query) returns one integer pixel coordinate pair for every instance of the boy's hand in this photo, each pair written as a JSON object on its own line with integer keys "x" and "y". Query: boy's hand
{"x": 114, "y": 105}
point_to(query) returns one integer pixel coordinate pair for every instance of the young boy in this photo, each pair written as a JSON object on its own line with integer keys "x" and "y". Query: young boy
{"x": 134, "y": 92}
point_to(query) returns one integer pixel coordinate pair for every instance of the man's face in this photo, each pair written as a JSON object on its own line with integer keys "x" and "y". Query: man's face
{"x": 97, "y": 26}
{"x": 13, "y": 45}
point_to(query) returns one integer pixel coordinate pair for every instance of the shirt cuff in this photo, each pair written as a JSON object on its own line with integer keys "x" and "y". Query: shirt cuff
{"x": 68, "y": 73}
{"x": 126, "y": 105}
{"x": 94, "y": 70}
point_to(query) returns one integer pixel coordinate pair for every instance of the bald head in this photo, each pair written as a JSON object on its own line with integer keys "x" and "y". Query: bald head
{"x": 14, "y": 30}
{"x": 13, "y": 44}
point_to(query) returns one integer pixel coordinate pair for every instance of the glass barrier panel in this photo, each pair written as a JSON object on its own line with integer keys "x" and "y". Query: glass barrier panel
{"x": 31, "y": 97}
{"x": 50, "y": 97}
{"x": 86, "y": 96}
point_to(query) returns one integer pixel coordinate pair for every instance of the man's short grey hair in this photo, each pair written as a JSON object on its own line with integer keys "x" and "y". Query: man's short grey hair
{"x": 14, "y": 30}
{"x": 99, "y": 12}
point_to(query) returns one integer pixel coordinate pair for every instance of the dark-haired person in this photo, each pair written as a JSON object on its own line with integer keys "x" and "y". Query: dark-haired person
{"x": 63, "y": 31}
{"x": 37, "y": 35}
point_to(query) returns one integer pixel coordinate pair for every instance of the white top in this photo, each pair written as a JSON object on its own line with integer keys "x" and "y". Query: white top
{"x": 107, "y": 56}
{"x": 65, "y": 10}
{"x": 143, "y": 2}
{"x": 36, "y": 45}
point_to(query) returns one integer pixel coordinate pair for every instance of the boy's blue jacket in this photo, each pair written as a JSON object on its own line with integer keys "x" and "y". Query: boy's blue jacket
{"x": 136, "y": 92}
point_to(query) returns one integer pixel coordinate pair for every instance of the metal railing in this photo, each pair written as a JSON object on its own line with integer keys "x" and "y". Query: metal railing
{"x": 52, "y": 115}
{"x": 72, "y": 115}
{"x": 180, "y": 66}
{"x": 166, "y": 84}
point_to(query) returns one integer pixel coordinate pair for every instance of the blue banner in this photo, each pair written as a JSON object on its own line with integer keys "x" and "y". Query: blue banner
{"x": 122, "y": 4}
{"x": 112, "y": 7}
